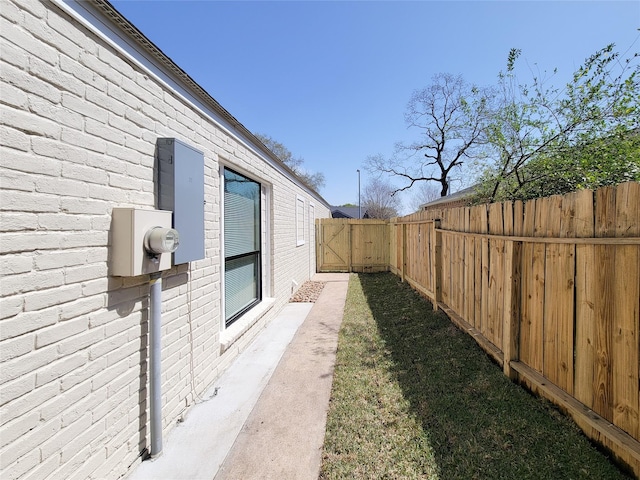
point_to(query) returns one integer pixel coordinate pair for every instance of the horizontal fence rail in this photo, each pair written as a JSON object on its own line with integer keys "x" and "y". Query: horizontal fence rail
{"x": 550, "y": 288}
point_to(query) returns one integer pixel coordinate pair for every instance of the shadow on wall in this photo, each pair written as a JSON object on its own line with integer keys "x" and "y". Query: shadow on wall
{"x": 480, "y": 424}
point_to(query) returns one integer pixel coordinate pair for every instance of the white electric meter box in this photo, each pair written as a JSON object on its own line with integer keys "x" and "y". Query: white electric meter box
{"x": 180, "y": 188}
{"x": 129, "y": 226}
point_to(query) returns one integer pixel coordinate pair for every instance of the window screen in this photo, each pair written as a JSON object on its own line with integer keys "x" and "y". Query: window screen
{"x": 242, "y": 285}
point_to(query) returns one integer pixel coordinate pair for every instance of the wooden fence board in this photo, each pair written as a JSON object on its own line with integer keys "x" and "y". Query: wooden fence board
{"x": 553, "y": 216}
{"x": 518, "y": 217}
{"x": 458, "y": 278}
{"x": 469, "y": 280}
{"x": 558, "y": 363}
{"x": 358, "y": 248}
{"x": 625, "y": 340}
{"x": 604, "y": 302}
{"x": 454, "y": 265}
{"x": 507, "y": 218}
{"x": 558, "y": 315}
{"x": 585, "y": 319}
{"x": 393, "y": 246}
{"x": 445, "y": 280}
{"x": 495, "y": 292}
{"x": 401, "y": 245}
{"x": 420, "y": 255}
{"x": 549, "y": 210}
{"x": 476, "y": 222}
{"x": 586, "y": 291}
{"x": 533, "y": 311}
{"x": 426, "y": 255}
{"x": 485, "y": 325}
{"x": 605, "y": 310}
{"x": 512, "y": 293}
{"x": 410, "y": 241}
{"x": 605, "y": 213}
{"x": 626, "y": 357}
{"x": 532, "y": 307}
{"x": 431, "y": 232}
{"x": 415, "y": 254}
{"x": 419, "y": 250}
{"x": 470, "y": 260}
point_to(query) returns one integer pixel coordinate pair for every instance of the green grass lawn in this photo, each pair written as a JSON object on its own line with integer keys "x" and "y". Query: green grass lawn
{"x": 414, "y": 397}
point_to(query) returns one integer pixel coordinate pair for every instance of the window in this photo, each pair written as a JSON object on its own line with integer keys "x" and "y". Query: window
{"x": 300, "y": 221}
{"x": 242, "y": 240}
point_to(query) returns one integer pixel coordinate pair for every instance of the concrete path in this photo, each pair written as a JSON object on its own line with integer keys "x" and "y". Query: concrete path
{"x": 283, "y": 436}
{"x": 268, "y": 417}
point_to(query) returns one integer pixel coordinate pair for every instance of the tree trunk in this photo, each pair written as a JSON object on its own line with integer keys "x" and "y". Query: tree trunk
{"x": 445, "y": 188}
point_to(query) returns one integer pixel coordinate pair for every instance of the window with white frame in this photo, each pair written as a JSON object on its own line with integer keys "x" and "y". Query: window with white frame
{"x": 299, "y": 220}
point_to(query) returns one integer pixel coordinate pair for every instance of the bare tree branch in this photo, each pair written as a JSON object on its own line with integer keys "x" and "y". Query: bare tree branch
{"x": 450, "y": 117}
{"x": 379, "y": 201}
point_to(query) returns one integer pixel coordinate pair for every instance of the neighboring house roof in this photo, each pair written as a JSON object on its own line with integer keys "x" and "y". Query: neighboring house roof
{"x": 347, "y": 212}
{"x": 457, "y": 199}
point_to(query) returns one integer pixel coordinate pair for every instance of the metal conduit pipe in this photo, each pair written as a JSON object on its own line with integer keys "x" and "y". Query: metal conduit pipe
{"x": 155, "y": 358}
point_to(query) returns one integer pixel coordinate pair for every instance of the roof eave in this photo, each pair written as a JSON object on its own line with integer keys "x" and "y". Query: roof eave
{"x": 133, "y": 33}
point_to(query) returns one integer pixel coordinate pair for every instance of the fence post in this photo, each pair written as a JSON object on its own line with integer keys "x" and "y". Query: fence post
{"x": 349, "y": 232}
{"x": 404, "y": 250}
{"x": 511, "y": 319}
{"x": 391, "y": 230}
{"x": 436, "y": 264}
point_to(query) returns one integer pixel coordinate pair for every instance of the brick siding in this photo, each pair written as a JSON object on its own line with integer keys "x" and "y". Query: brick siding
{"x": 78, "y": 125}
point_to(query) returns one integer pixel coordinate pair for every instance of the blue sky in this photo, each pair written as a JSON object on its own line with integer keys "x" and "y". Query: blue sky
{"x": 331, "y": 79}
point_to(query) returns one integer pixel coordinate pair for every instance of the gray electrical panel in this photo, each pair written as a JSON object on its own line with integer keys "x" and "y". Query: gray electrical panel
{"x": 180, "y": 188}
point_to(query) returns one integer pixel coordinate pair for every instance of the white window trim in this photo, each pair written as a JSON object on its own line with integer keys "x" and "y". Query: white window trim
{"x": 300, "y": 239}
{"x": 228, "y": 335}
{"x": 312, "y": 222}
{"x": 267, "y": 195}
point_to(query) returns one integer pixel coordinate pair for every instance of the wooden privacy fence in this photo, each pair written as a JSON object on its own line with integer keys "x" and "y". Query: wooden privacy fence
{"x": 550, "y": 288}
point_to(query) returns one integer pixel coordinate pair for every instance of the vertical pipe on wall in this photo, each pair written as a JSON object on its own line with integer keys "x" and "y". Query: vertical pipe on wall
{"x": 155, "y": 342}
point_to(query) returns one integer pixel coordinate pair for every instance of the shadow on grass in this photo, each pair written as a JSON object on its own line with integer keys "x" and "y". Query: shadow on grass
{"x": 480, "y": 425}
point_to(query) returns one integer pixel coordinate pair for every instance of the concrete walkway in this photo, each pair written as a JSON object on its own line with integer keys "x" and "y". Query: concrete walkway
{"x": 267, "y": 420}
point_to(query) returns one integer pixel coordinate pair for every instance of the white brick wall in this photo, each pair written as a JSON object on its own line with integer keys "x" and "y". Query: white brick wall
{"x": 78, "y": 124}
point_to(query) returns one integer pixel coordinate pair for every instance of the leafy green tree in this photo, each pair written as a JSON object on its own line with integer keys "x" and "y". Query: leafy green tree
{"x": 314, "y": 180}
{"x": 450, "y": 116}
{"x": 550, "y": 141}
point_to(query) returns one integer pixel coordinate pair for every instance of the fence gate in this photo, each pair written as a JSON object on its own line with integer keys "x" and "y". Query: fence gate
{"x": 350, "y": 245}
{"x": 333, "y": 246}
